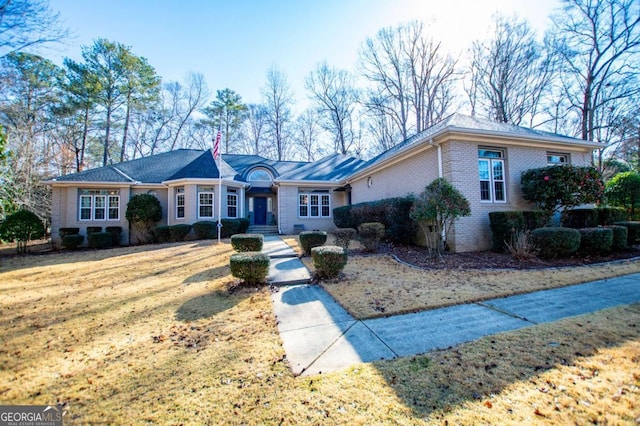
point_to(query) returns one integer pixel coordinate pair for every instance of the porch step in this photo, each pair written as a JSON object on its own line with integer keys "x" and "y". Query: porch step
{"x": 263, "y": 229}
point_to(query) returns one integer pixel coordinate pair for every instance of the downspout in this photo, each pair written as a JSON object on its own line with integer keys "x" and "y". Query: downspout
{"x": 278, "y": 210}
{"x": 440, "y": 166}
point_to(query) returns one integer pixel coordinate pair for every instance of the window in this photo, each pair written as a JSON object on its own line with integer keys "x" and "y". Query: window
{"x": 557, "y": 158}
{"x": 232, "y": 204}
{"x": 205, "y": 202}
{"x": 492, "y": 175}
{"x": 314, "y": 205}
{"x": 260, "y": 174}
{"x": 180, "y": 203}
{"x": 99, "y": 204}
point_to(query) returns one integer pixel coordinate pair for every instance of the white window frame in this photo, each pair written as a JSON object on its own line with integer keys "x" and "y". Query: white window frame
{"x": 487, "y": 165}
{"x": 314, "y": 205}
{"x": 563, "y": 158}
{"x": 202, "y": 205}
{"x": 180, "y": 203}
{"x": 232, "y": 203}
{"x": 103, "y": 206}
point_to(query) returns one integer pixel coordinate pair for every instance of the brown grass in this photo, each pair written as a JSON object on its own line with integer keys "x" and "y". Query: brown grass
{"x": 161, "y": 334}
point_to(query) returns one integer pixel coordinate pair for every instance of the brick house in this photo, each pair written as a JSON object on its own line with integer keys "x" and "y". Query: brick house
{"x": 481, "y": 158}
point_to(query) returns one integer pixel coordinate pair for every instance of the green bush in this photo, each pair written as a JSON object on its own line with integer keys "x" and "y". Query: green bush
{"x": 534, "y": 219}
{"x": 596, "y": 240}
{"x": 92, "y": 229}
{"x": 252, "y": 267}
{"x": 504, "y": 226}
{"x": 623, "y": 190}
{"x": 206, "y": 230}
{"x": 620, "y": 237}
{"x": 633, "y": 229}
{"x": 21, "y": 227}
{"x": 342, "y": 217}
{"x": 68, "y": 231}
{"x": 162, "y": 234}
{"x": 116, "y": 234}
{"x": 233, "y": 226}
{"x": 100, "y": 240}
{"x": 143, "y": 211}
{"x": 329, "y": 261}
{"x": 609, "y": 215}
{"x": 72, "y": 241}
{"x": 179, "y": 232}
{"x": 311, "y": 239}
{"x": 555, "y": 242}
{"x": 247, "y": 242}
{"x": 370, "y": 235}
{"x": 580, "y": 218}
{"x": 344, "y": 236}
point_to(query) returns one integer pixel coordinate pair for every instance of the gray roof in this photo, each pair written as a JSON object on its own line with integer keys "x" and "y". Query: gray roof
{"x": 331, "y": 168}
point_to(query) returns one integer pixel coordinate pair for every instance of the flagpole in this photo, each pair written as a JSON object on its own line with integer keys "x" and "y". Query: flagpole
{"x": 219, "y": 179}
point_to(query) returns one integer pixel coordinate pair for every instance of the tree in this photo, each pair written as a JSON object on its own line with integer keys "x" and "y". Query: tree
{"x": 187, "y": 101}
{"x": 510, "y": 73}
{"x": 227, "y": 113}
{"x": 307, "y": 135}
{"x": 336, "y": 99}
{"x": 435, "y": 210}
{"x": 21, "y": 226}
{"x": 5, "y": 199}
{"x": 623, "y": 190}
{"x": 278, "y": 100}
{"x": 28, "y": 23}
{"x": 143, "y": 211}
{"x": 254, "y": 128}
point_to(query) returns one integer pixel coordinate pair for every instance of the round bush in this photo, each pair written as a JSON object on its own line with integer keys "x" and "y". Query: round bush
{"x": 370, "y": 235}
{"x": 100, "y": 240}
{"x": 72, "y": 241}
{"x": 161, "y": 234}
{"x": 595, "y": 240}
{"x": 247, "y": 242}
{"x": 116, "y": 234}
{"x": 620, "y": 237}
{"x": 328, "y": 260}
{"x": 556, "y": 241}
{"x": 311, "y": 239}
{"x": 580, "y": 218}
{"x": 21, "y": 227}
{"x": 633, "y": 229}
{"x": 179, "y": 232}
{"x": 205, "y": 230}
{"x": 344, "y": 236}
{"x": 252, "y": 267}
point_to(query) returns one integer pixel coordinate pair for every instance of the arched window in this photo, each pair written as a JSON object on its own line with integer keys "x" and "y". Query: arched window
{"x": 260, "y": 175}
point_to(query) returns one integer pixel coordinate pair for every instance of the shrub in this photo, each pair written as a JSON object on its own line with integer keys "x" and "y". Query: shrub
{"x": 534, "y": 219}
{"x": 342, "y": 217}
{"x": 556, "y": 241}
{"x": 206, "y": 230}
{"x": 311, "y": 239}
{"x": 21, "y": 226}
{"x": 370, "y": 235}
{"x": 92, "y": 229}
{"x": 580, "y": 218}
{"x": 620, "y": 237}
{"x": 328, "y": 261}
{"x": 623, "y": 190}
{"x": 233, "y": 226}
{"x": 68, "y": 231}
{"x": 116, "y": 234}
{"x": 633, "y": 230}
{"x": 610, "y": 215}
{"x": 252, "y": 267}
{"x": 504, "y": 226}
{"x": 247, "y": 242}
{"x": 161, "y": 234}
{"x": 72, "y": 241}
{"x": 179, "y": 232}
{"x": 143, "y": 211}
{"x": 522, "y": 245}
{"x": 595, "y": 240}
{"x": 344, "y": 236}
{"x": 100, "y": 240}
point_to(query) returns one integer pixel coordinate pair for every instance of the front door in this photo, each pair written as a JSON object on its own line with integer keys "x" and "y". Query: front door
{"x": 260, "y": 211}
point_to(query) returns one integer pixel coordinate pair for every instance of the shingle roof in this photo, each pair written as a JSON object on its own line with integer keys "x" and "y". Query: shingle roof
{"x": 333, "y": 167}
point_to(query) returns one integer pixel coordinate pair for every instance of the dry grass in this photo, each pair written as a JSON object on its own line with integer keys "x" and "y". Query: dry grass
{"x": 160, "y": 334}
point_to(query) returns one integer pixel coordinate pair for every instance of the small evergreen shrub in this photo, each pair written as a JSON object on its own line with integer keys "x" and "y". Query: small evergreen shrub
{"x": 370, "y": 235}
{"x": 247, "y": 242}
{"x": 233, "y": 226}
{"x": 161, "y": 234}
{"x": 100, "y": 240}
{"x": 251, "y": 267}
{"x": 620, "y": 237}
{"x": 342, "y": 217}
{"x": 21, "y": 227}
{"x": 534, "y": 219}
{"x": 72, "y": 241}
{"x": 344, "y": 236}
{"x": 610, "y": 215}
{"x": 504, "y": 226}
{"x": 92, "y": 229}
{"x": 206, "y": 230}
{"x": 329, "y": 261}
{"x": 556, "y": 242}
{"x": 580, "y": 218}
{"x": 116, "y": 234}
{"x": 311, "y": 239}
{"x": 633, "y": 229}
{"x": 68, "y": 231}
{"x": 595, "y": 240}
{"x": 179, "y": 232}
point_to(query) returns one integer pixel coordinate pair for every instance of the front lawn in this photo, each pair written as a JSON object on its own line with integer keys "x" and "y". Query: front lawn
{"x": 161, "y": 334}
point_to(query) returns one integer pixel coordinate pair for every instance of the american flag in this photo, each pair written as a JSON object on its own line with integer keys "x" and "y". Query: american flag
{"x": 216, "y": 146}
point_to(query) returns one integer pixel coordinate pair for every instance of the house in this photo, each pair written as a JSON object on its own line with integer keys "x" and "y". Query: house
{"x": 481, "y": 158}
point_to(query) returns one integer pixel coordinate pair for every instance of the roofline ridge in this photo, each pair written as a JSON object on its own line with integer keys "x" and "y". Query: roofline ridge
{"x": 126, "y": 176}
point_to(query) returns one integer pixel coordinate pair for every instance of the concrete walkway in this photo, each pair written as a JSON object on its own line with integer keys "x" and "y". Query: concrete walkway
{"x": 285, "y": 267}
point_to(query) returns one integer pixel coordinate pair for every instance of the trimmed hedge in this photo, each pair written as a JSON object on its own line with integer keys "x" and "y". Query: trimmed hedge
{"x": 233, "y": 226}
{"x": 329, "y": 261}
{"x": 116, "y": 234}
{"x": 534, "y": 219}
{"x": 370, "y": 235}
{"x": 505, "y": 225}
{"x": 162, "y": 234}
{"x": 68, "y": 231}
{"x": 72, "y": 241}
{"x": 633, "y": 229}
{"x": 206, "y": 230}
{"x": 556, "y": 241}
{"x": 100, "y": 240}
{"x": 344, "y": 236}
{"x": 342, "y": 217}
{"x": 252, "y": 267}
{"x": 311, "y": 239}
{"x": 580, "y": 218}
{"x": 620, "y": 237}
{"x": 247, "y": 242}
{"x": 92, "y": 229}
{"x": 179, "y": 232}
{"x": 595, "y": 240}
{"x": 610, "y": 215}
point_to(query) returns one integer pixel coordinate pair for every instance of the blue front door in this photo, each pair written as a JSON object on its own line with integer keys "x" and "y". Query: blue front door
{"x": 260, "y": 211}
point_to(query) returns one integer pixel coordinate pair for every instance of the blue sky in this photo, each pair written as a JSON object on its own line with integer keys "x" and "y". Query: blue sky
{"x": 233, "y": 43}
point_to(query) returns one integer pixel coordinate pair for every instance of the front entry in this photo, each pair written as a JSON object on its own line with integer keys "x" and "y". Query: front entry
{"x": 260, "y": 211}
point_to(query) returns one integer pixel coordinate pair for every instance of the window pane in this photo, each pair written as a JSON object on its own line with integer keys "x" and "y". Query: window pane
{"x": 206, "y": 211}
{"x": 483, "y": 167}
{"x": 485, "y": 193}
{"x": 498, "y": 172}
{"x": 499, "y": 191}
{"x": 180, "y": 206}
{"x": 314, "y": 206}
{"x": 232, "y": 202}
{"x": 486, "y": 153}
{"x": 100, "y": 211}
{"x": 303, "y": 204}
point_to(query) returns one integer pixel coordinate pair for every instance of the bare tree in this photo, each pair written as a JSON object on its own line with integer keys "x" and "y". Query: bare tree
{"x": 510, "y": 73}
{"x": 278, "y": 100}
{"x": 308, "y": 133}
{"x": 187, "y": 100}
{"x": 254, "y": 128}
{"x": 333, "y": 93}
